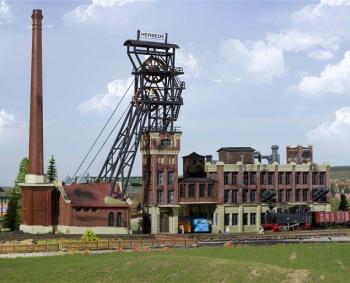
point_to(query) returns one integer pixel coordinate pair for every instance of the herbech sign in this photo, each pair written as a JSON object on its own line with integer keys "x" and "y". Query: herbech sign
{"x": 152, "y": 35}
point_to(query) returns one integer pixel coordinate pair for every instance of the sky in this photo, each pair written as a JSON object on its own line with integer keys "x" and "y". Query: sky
{"x": 257, "y": 73}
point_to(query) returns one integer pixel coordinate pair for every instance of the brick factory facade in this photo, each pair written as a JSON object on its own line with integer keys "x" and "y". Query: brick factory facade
{"x": 234, "y": 192}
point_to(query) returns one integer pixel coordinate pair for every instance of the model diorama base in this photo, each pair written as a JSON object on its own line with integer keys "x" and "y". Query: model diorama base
{"x": 96, "y": 229}
{"x": 36, "y": 229}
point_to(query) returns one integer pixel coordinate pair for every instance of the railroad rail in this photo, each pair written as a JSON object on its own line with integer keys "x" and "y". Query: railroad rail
{"x": 270, "y": 236}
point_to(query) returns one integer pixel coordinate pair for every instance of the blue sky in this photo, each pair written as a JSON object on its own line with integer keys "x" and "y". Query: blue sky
{"x": 257, "y": 73}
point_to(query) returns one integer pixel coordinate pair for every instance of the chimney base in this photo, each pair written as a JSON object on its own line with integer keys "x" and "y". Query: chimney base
{"x": 35, "y": 179}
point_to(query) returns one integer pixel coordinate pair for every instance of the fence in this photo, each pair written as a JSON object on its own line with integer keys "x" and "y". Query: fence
{"x": 95, "y": 245}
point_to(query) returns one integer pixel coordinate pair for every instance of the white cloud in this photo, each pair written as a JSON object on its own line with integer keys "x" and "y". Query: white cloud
{"x": 295, "y": 40}
{"x": 254, "y": 60}
{"x": 6, "y": 119}
{"x": 336, "y": 130}
{"x": 321, "y": 55}
{"x": 116, "y": 90}
{"x": 333, "y": 79}
{"x": 315, "y": 12}
{"x": 94, "y": 11}
{"x": 189, "y": 62}
{"x": 5, "y": 13}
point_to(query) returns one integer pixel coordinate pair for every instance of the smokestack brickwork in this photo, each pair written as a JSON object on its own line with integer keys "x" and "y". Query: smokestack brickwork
{"x": 36, "y": 105}
{"x": 36, "y": 196}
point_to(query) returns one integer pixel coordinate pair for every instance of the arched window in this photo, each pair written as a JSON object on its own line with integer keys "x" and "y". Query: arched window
{"x": 110, "y": 219}
{"x": 119, "y": 219}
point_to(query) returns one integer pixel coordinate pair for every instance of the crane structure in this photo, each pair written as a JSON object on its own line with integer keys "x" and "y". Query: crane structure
{"x": 154, "y": 107}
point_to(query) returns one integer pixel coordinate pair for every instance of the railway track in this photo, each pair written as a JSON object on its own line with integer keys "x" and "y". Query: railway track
{"x": 200, "y": 237}
{"x": 271, "y": 236}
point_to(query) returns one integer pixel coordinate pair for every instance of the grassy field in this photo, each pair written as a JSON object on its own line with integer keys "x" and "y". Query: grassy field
{"x": 276, "y": 263}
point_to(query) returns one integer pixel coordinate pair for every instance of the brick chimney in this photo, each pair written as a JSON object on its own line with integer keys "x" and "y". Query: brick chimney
{"x": 35, "y": 172}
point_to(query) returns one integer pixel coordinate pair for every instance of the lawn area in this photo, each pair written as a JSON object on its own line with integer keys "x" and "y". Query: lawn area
{"x": 276, "y": 263}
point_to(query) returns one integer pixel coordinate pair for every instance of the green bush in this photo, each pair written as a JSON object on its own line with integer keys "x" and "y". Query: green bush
{"x": 89, "y": 235}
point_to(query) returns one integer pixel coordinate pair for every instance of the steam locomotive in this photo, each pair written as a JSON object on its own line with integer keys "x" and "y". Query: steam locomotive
{"x": 301, "y": 217}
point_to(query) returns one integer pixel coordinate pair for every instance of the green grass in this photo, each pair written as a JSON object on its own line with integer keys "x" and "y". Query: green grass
{"x": 276, "y": 263}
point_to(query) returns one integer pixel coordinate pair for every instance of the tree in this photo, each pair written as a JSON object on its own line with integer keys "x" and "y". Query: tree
{"x": 12, "y": 218}
{"x": 343, "y": 205}
{"x": 51, "y": 172}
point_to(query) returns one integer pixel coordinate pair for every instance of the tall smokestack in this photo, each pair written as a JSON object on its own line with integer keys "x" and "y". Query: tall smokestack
{"x": 36, "y": 100}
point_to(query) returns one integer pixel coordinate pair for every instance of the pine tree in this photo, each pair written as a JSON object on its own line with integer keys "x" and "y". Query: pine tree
{"x": 51, "y": 172}
{"x": 343, "y": 204}
{"x": 13, "y": 216}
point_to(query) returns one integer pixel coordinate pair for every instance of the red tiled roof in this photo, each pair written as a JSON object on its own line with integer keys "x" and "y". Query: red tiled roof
{"x": 92, "y": 195}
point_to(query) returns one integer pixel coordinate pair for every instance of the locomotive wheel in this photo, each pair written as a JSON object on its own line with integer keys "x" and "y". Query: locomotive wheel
{"x": 151, "y": 96}
{"x": 153, "y": 64}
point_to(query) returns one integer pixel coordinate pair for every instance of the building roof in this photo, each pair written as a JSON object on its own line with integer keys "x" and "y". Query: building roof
{"x": 237, "y": 149}
{"x": 143, "y": 43}
{"x": 91, "y": 195}
{"x": 193, "y": 154}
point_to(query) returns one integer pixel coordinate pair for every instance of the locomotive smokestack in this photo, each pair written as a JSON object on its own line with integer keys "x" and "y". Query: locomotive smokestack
{"x": 36, "y": 100}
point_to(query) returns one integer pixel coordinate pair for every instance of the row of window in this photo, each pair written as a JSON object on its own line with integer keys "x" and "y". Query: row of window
{"x": 282, "y": 195}
{"x": 267, "y": 178}
{"x": 190, "y": 190}
{"x": 160, "y": 197}
{"x": 161, "y": 160}
{"x": 160, "y": 178}
{"x": 118, "y": 222}
{"x": 233, "y": 220}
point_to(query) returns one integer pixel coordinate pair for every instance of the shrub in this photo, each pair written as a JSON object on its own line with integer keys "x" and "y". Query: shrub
{"x": 89, "y": 235}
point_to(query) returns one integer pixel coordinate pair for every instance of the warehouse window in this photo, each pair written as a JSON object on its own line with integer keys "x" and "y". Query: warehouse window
{"x": 170, "y": 196}
{"x": 253, "y": 196}
{"x": 314, "y": 178}
{"x": 245, "y": 196}
{"x": 227, "y": 219}
{"x": 270, "y": 179}
{"x": 202, "y": 190}
{"x": 287, "y": 178}
{"x": 182, "y": 190}
{"x": 297, "y": 178}
{"x": 288, "y": 194}
{"x": 159, "y": 197}
{"x": 305, "y": 177}
{"x": 191, "y": 190}
{"x": 280, "y": 195}
{"x": 234, "y": 196}
{"x": 245, "y": 218}
{"x": 252, "y": 178}
{"x": 170, "y": 177}
{"x": 280, "y": 178}
{"x": 234, "y": 178}
{"x": 225, "y": 196}
{"x": 297, "y": 195}
{"x": 305, "y": 195}
{"x": 246, "y": 178}
{"x": 252, "y": 218}
{"x": 119, "y": 219}
{"x": 234, "y": 219}
{"x": 262, "y": 178}
{"x": 210, "y": 190}
{"x": 322, "y": 178}
{"x": 226, "y": 175}
{"x": 160, "y": 180}
{"x": 110, "y": 219}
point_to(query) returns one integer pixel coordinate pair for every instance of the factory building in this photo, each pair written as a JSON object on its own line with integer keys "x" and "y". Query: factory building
{"x": 236, "y": 191}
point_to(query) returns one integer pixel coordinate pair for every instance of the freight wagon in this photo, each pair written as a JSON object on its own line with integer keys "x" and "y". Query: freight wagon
{"x": 300, "y": 217}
